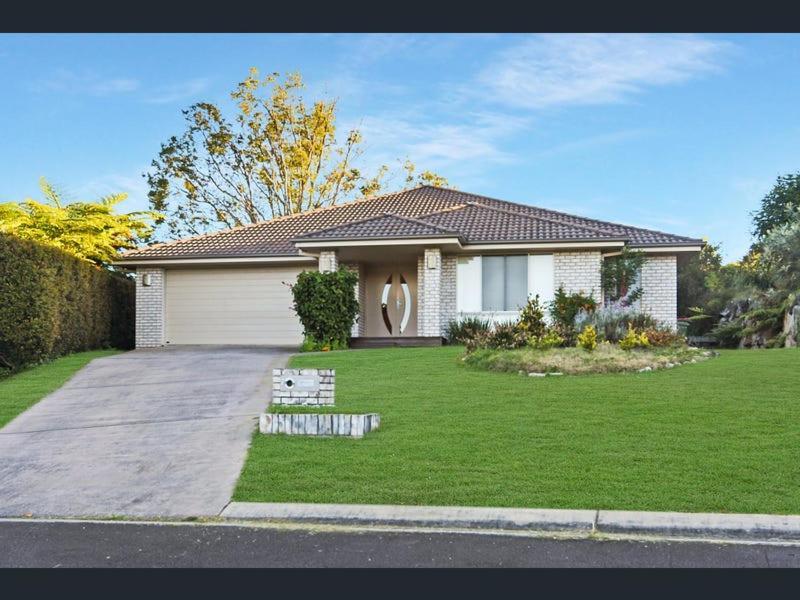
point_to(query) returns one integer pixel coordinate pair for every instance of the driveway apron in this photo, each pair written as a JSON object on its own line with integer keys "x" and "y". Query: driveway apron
{"x": 161, "y": 432}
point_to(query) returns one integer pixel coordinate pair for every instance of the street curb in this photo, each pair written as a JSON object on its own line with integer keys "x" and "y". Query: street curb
{"x": 714, "y": 525}
{"x": 417, "y": 516}
{"x": 748, "y": 526}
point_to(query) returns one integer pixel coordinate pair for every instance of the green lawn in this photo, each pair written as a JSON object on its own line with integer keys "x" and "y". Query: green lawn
{"x": 722, "y": 435}
{"x": 22, "y": 390}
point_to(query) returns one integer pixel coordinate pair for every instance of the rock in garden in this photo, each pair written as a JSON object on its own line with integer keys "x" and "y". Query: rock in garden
{"x": 536, "y": 374}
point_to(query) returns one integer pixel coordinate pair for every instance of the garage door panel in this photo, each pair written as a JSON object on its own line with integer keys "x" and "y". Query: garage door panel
{"x": 231, "y": 306}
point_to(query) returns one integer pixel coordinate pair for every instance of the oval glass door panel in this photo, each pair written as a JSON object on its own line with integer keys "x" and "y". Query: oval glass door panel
{"x": 387, "y": 288}
{"x": 407, "y": 304}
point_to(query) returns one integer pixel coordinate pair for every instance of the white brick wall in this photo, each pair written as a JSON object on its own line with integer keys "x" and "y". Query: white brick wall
{"x": 447, "y": 307}
{"x": 660, "y": 289}
{"x": 150, "y": 308}
{"x": 328, "y": 261}
{"x": 578, "y": 272}
{"x": 429, "y": 283}
{"x": 359, "y": 326}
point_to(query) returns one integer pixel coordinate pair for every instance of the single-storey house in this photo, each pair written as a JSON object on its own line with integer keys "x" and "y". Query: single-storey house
{"x": 424, "y": 256}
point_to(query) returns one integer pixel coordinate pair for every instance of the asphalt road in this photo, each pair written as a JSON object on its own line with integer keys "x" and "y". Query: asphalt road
{"x": 114, "y": 544}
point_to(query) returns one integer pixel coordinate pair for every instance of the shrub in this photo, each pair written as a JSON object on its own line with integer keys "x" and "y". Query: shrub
{"x": 459, "y": 331}
{"x": 54, "y": 303}
{"x": 587, "y": 339}
{"x": 531, "y": 319}
{"x": 663, "y": 338}
{"x": 633, "y": 340}
{"x": 565, "y": 307}
{"x": 612, "y": 321}
{"x": 550, "y": 339}
{"x": 311, "y": 345}
{"x": 504, "y": 336}
{"x": 326, "y": 305}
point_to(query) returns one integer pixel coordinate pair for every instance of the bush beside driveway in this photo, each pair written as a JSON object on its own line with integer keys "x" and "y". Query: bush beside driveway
{"x": 718, "y": 436}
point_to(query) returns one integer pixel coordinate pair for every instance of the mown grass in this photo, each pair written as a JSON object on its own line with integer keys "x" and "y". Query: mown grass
{"x": 22, "y": 390}
{"x": 721, "y": 435}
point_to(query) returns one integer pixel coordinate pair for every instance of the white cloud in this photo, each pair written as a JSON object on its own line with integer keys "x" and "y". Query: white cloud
{"x": 70, "y": 82}
{"x": 90, "y": 83}
{"x": 113, "y": 183}
{"x": 178, "y": 91}
{"x": 581, "y": 69}
{"x": 594, "y": 141}
{"x": 450, "y": 146}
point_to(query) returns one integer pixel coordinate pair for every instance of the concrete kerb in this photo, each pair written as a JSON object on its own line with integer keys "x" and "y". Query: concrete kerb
{"x": 669, "y": 524}
{"x": 416, "y": 516}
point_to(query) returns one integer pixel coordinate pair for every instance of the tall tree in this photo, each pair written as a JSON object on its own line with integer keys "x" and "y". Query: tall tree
{"x": 696, "y": 277}
{"x": 779, "y": 207}
{"x": 89, "y": 230}
{"x": 277, "y": 156}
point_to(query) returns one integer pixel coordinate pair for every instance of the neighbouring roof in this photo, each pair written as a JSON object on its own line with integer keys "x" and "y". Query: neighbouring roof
{"x": 425, "y": 211}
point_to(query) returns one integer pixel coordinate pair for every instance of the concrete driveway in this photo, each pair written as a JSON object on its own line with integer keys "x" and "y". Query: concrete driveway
{"x": 160, "y": 432}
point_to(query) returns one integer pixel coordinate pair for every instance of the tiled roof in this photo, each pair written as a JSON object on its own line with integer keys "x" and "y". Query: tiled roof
{"x": 408, "y": 213}
{"x": 380, "y": 227}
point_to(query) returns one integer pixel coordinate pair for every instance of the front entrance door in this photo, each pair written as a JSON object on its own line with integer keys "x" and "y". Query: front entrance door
{"x": 392, "y": 301}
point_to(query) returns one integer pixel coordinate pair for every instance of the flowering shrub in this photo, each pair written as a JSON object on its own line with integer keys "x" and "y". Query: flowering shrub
{"x": 550, "y": 339}
{"x": 565, "y": 307}
{"x": 587, "y": 339}
{"x": 633, "y": 340}
{"x": 662, "y": 337}
{"x": 612, "y": 321}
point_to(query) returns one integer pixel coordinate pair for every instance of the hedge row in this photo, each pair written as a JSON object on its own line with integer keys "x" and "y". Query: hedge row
{"x": 52, "y": 303}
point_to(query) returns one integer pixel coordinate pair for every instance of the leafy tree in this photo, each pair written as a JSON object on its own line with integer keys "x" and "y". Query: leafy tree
{"x": 695, "y": 275}
{"x": 278, "y": 155}
{"x": 779, "y": 206}
{"x": 619, "y": 275}
{"x": 89, "y": 230}
{"x": 780, "y": 261}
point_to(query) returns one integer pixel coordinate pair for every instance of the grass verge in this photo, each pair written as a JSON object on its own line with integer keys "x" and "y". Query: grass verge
{"x": 720, "y": 436}
{"x": 20, "y": 391}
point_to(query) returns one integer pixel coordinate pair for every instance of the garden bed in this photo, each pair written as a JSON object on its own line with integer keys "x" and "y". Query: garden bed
{"x": 607, "y": 358}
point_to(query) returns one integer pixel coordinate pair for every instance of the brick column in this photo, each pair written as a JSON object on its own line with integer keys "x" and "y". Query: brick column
{"x": 328, "y": 261}
{"x": 149, "y": 308}
{"x": 660, "y": 289}
{"x": 447, "y": 308}
{"x": 429, "y": 282}
{"x": 359, "y": 325}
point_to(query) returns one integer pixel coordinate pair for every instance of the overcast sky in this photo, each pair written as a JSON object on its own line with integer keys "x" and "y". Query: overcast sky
{"x": 673, "y": 132}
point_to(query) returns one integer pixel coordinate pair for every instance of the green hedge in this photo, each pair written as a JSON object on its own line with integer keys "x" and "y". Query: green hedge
{"x": 52, "y": 303}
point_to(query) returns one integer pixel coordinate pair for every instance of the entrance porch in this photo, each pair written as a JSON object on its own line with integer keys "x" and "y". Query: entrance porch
{"x": 399, "y": 293}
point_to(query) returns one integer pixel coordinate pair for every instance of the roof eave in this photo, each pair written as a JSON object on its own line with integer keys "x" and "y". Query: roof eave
{"x": 209, "y": 259}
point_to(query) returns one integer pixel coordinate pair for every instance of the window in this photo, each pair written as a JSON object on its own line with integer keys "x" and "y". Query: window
{"x": 504, "y": 282}
{"x": 494, "y": 284}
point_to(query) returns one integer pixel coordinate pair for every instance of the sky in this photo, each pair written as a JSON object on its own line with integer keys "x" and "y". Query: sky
{"x": 680, "y": 133}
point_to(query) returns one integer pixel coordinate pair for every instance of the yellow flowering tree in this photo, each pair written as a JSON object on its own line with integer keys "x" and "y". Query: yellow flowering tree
{"x": 89, "y": 230}
{"x": 278, "y": 155}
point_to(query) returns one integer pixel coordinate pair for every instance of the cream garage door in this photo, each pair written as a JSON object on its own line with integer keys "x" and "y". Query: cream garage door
{"x": 231, "y": 306}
